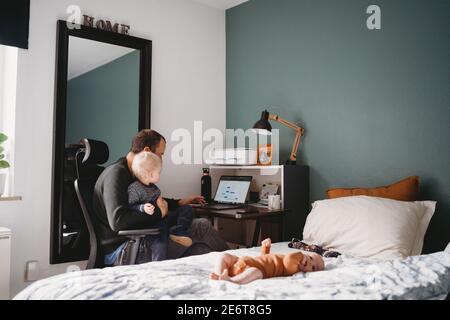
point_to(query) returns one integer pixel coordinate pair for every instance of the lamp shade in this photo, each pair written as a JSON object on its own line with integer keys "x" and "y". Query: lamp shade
{"x": 263, "y": 123}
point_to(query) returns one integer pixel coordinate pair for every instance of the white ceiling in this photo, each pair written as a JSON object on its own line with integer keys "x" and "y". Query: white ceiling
{"x": 86, "y": 55}
{"x": 221, "y": 4}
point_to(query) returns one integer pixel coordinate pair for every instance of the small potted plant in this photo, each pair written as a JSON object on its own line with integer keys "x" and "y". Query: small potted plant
{"x": 3, "y": 164}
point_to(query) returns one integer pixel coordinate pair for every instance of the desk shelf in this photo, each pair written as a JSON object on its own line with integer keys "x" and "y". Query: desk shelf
{"x": 294, "y": 191}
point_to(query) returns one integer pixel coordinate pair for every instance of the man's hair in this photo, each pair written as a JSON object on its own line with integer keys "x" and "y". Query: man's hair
{"x": 146, "y": 138}
{"x": 144, "y": 163}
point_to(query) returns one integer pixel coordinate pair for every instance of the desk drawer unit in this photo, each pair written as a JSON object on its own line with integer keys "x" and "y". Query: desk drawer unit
{"x": 5, "y": 261}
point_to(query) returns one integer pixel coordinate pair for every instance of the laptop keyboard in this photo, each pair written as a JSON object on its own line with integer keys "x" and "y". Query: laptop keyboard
{"x": 222, "y": 206}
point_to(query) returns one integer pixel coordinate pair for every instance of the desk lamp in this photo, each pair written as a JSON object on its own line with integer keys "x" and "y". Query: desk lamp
{"x": 263, "y": 127}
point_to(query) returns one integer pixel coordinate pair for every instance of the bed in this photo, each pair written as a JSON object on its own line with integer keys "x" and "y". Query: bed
{"x": 345, "y": 277}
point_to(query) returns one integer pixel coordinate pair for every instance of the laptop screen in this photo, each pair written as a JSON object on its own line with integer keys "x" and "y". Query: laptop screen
{"x": 232, "y": 189}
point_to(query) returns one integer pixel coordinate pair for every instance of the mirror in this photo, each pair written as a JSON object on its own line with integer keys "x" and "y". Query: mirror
{"x": 102, "y": 88}
{"x": 102, "y": 93}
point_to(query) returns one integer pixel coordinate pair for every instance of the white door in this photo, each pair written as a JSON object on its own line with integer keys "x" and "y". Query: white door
{"x": 5, "y": 254}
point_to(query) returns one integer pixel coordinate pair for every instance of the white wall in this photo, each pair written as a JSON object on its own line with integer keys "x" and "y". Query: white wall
{"x": 188, "y": 83}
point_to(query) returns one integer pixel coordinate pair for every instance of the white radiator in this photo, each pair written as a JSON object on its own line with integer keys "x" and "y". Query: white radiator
{"x": 5, "y": 262}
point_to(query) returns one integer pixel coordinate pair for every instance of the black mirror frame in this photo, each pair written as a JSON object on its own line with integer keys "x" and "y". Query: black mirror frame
{"x": 59, "y": 117}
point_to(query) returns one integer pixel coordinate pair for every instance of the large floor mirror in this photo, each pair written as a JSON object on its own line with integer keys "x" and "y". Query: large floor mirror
{"x": 103, "y": 87}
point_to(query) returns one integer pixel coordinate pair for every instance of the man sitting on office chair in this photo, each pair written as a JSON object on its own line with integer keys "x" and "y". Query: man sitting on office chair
{"x": 112, "y": 212}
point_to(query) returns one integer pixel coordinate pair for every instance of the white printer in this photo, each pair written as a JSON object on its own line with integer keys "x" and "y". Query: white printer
{"x": 232, "y": 156}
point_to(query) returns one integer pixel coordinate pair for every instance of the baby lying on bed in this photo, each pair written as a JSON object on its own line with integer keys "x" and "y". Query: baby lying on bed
{"x": 242, "y": 270}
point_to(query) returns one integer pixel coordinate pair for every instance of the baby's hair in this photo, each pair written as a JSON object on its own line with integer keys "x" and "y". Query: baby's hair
{"x": 144, "y": 163}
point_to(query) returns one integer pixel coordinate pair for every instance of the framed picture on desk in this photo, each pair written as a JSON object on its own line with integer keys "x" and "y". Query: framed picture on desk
{"x": 265, "y": 154}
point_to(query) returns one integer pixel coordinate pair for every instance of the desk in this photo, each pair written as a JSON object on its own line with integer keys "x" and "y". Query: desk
{"x": 263, "y": 215}
{"x": 294, "y": 192}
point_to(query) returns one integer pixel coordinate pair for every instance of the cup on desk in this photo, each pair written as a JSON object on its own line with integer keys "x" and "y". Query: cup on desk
{"x": 274, "y": 202}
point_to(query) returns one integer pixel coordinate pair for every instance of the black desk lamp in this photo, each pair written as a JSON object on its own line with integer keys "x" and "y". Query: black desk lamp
{"x": 263, "y": 126}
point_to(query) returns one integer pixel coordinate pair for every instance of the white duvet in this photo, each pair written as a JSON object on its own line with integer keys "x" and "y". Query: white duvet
{"x": 418, "y": 277}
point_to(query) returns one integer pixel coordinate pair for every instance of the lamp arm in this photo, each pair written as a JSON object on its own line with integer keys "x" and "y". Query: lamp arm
{"x": 284, "y": 122}
{"x": 299, "y": 132}
{"x": 297, "y": 141}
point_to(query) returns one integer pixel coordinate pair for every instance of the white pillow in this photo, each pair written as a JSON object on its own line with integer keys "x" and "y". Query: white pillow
{"x": 369, "y": 227}
{"x": 448, "y": 247}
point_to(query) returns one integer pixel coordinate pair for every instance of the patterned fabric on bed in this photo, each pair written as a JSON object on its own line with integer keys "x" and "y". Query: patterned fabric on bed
{"x": 418, "y": 277}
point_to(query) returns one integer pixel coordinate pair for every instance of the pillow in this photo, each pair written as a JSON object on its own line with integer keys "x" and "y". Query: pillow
{"x": 369, "y": 227}
{"x": 405, "y": 190}
{"x": 448, "y": 247}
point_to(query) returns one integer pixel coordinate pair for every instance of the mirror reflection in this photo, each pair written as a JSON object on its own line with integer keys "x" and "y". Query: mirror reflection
{"x": 102, "y": 104}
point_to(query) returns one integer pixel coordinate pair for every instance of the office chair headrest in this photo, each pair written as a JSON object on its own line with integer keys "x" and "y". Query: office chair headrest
{"x": 96, "y": 152}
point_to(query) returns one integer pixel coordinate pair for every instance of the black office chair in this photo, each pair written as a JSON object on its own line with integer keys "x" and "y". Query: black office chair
{"x": 75, "y": 240}
{"x": 88, "y": 159}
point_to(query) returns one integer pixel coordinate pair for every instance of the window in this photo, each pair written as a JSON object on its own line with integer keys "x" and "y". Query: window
{"x": 8, "y": 84}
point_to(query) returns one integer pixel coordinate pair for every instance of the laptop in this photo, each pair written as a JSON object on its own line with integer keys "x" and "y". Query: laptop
{"x": 231, "y": 193}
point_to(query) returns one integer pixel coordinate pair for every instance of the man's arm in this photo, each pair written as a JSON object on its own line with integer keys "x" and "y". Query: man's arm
{"x": 120, "y": 216}
{"x": 192, "y": 199}
{"x": 173, "y": 204}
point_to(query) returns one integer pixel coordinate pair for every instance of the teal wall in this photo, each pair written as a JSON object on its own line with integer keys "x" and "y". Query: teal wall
{"x": 103, "y": 104}
{"x": 375, "y": 104}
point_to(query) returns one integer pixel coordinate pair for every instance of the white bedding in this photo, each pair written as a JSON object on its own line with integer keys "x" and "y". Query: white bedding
{"x": 419, "y": 277}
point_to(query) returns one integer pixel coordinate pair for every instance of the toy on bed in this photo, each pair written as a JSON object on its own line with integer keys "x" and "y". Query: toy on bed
{"x": 297, "y": 244}
{"x": 242, "y": 270}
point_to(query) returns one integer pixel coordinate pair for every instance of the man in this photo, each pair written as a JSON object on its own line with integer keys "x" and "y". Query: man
{"x": 112, "y": 213}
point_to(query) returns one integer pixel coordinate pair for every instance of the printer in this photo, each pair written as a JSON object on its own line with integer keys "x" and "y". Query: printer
{"x": 232, "y": 156}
